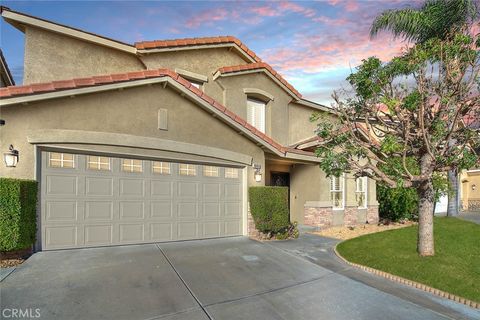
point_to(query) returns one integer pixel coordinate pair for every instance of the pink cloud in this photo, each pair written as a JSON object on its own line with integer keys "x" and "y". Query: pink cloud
{"x": 265, "y": 11}
{"x": 207, "y": 17}
{"x": 331, "y": 22}
{"x": 312, "y": 54}
{"x": 351, "y": 5}
{"x": 282, "y": 8}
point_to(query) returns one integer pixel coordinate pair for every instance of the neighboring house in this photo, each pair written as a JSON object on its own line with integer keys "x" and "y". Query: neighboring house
{"x": 160, "y": 140}
{"x": 470, "y": 190}
{"x": 6, "y": 78}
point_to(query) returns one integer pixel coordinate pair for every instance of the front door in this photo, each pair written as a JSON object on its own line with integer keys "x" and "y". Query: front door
{"x": 280, "y": 179}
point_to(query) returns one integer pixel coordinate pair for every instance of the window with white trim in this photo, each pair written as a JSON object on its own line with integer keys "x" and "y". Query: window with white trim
{"x": 61, "y": 160}
{"x": 256, "y": 114}
{"x": 210, "y": 171}
{"x": 161, "y": 167}
{"x": 132, "y": 165}
{"x": 98, "y": 163}
{"x": 337, "y": 191}
{"x": 231, "y": 173}
{"x": 361, "y": 191}
{"x": 185, "y": 169}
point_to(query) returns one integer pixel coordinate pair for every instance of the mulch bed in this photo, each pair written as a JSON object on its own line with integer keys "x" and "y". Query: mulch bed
{"x": 14, "y": 258}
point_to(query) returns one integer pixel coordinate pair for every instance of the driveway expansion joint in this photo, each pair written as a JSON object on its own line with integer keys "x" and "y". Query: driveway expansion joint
{"x": 184, "y": 283}
{"x": 298, "y": 284}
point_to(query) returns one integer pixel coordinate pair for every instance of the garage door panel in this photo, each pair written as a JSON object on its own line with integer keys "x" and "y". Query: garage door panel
{"x": 232, "y": 227}
{"x": 132, "y": 187}
{"x": 98, "y": 235}
{"x": 232, "y": 191}
{"x": 131, "y": 233}
{"x": 161, "y": 209}
{"x": 132, "y": 210}
{"x": 187, "y": 230}
{"x": 187, "y": 189}
{"x": 161, "y": 231}
{"x": 62, "y": 185}
{"x": 99, "y": 210}
{"x": 99, "y": 186}
{"x": 86, "y": 207}
{"x": 233, "y": 209}
{"x": 187, "y": 209}
{"x": 61, "y": 211}
{"x": 212, "y": 191}
{"x": 212, "y": 229}
{"x": 161, "y": 189}
{"x": 61, "y": 236}
{"x": 211, "y": 209}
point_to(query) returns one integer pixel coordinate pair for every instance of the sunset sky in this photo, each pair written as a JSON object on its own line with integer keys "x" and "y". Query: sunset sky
{"x": 313, "y": 44}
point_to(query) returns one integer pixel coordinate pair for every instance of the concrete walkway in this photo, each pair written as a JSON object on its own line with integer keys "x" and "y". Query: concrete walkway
{"x": 234, "y": 278}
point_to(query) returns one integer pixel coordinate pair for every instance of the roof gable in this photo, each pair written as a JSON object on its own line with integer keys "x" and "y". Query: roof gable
{"x": 259, "y": 67}
{"x": 197, "y": 43}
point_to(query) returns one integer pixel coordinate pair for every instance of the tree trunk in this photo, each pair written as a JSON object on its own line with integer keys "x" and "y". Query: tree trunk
{"x": 452, "y": 209}
{"x": 426, "y": 195}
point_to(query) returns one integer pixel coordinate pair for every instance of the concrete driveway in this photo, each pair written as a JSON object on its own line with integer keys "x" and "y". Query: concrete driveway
{"x": 234, "y": 278}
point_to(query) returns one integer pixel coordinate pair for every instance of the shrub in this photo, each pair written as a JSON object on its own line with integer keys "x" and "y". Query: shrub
{"x": 397, "y": 203}
{"x": 18, "y": 207}
{"x": 269, "y": 208}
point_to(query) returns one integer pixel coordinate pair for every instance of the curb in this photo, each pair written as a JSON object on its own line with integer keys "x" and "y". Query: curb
{"x": 420, "y": 286}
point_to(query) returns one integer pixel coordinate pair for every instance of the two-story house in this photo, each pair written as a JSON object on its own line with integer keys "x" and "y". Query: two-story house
{"x": 160, "y": 140}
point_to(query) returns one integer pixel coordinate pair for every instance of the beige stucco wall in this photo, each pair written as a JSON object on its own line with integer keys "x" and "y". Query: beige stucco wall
{"x": 301, "y": 127}
{"x": 130, "y": 111}
{"x": 50, "y": 56}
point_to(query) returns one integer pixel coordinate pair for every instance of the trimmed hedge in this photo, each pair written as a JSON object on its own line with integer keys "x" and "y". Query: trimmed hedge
{"x": 18, "y": 211}
{"x": 269, "y": 208}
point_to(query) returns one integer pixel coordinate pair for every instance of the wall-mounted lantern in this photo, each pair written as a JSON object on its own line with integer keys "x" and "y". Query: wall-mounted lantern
{"x": 258, "y": 172}
{"x": 11, "y": 157}
{"x": 474, "y": 187}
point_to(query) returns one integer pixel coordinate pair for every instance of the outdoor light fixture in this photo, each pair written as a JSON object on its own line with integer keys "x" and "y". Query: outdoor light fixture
{"x": 474, "y": 186}
{"x": 258, "y": 173}
{"x": 11, "y": 157}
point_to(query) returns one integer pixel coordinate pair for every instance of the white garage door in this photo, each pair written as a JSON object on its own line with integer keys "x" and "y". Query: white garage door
{"x": 91, "y": 200}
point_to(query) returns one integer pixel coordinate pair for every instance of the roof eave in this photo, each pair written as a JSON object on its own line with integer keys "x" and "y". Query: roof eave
{"x": 18, "y": 20}
{"x": 218, "y": 74}
{"x": 233, "y": 45}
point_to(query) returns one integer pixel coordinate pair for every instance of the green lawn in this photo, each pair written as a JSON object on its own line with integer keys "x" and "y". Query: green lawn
{"x": 455, "y": 268}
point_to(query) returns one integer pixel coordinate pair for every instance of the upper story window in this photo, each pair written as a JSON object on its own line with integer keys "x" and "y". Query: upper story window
{"x": 132, "y": 165}
{"x": 256, "y": 114}
{"x": 361, "y": 192}
{"x": 98, "y": 163}
{"x": 61, "y": 160}
{"x": 337, "y": 191}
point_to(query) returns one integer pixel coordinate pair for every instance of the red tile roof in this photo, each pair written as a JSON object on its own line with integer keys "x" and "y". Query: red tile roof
{"x": 260, "y": 66}
{"x": 54, "y": 86}
{"x": 159, "y": 44}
